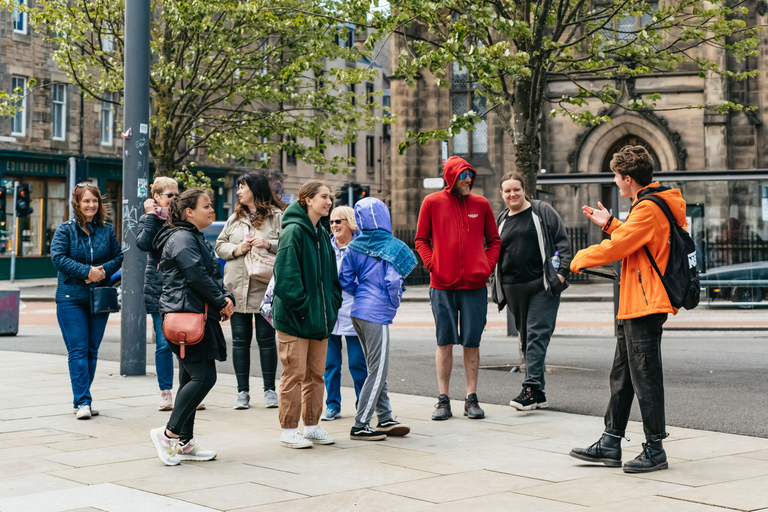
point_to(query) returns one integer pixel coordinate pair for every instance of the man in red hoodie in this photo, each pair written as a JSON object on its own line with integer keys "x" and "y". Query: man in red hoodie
{"x": 459, "y": 243}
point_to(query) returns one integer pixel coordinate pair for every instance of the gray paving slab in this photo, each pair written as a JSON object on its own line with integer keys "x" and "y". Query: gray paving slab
{"x": 51, "y": 462}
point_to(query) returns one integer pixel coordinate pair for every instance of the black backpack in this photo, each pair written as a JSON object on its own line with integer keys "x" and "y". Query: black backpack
{"x": 681, "y": 280}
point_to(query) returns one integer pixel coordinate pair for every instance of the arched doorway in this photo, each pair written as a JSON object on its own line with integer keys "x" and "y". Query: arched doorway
{"x": 629, "y": 140}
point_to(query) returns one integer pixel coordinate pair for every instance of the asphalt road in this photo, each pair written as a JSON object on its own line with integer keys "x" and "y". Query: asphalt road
{"x": 714, "y": 380}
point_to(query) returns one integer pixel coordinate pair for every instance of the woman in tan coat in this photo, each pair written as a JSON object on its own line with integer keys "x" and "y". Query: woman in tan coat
{"x": 255, "y": 226}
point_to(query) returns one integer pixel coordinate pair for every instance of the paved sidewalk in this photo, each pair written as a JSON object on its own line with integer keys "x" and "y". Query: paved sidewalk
{"x": 51, "y": 462}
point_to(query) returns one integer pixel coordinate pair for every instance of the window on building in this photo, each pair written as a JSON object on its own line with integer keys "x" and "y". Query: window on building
{"x": 262, "y": 156}
{"x": 369, "y": 153}
{"x": 20, "y": 18}
{"x": 290, "y": 154}
{"x": 59, "y": 113}
{"x": 386, "y": 101}
{"x": 107, "y": 119}
{"x": 625, "y": 29}
{"x": 464, "y": 97}
{"x": 352, "y": 151}
{"x": 19, "y": 122}
{"x": 107, "y": 41}
{"x": 369, "y": 95}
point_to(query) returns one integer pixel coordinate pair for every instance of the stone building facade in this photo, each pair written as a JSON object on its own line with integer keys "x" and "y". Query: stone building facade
{"x": 681, "y": 139}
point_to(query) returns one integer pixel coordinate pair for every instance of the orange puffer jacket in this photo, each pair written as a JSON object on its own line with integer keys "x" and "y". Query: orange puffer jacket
{"x": 642, "y": 292}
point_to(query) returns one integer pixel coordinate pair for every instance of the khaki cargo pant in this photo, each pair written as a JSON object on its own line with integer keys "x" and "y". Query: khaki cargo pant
{"x": 301, "y": 383}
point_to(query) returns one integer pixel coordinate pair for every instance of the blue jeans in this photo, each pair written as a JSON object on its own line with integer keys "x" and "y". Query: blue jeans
{"x": 332, "y": 376}
{"x": 163, "y": 354}
{"x": 82, "y": 333}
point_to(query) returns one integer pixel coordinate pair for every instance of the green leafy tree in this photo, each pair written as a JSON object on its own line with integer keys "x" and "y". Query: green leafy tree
{"x": 511, "y": 49}
{"x": 233, "y": 78}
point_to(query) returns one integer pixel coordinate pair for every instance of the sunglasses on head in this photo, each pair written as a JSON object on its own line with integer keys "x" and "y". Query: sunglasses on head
{"x": 464, "y": 175}
{"x": 336, "y": 221}
{"x": 85, "y": 184}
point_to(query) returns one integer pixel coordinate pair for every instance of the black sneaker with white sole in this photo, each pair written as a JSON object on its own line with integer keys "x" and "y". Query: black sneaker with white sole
{"x": 366, "y": 433}
{"x": 393, "y": 428}
{"x": 541, "y": 400}
{"x": 525, "y": 401}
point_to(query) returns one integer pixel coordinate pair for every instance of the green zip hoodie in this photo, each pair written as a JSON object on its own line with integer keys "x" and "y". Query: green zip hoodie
{"x": 307, "y": 290}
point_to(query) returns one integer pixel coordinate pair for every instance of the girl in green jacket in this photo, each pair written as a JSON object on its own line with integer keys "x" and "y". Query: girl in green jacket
{"x": 304, "y": 310}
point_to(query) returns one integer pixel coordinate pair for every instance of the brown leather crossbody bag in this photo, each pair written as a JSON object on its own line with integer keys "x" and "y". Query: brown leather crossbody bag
{"x": 184, "y": 329}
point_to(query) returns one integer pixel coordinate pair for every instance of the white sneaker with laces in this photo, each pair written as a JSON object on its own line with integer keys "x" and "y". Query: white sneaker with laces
{"x": 319, "y": 436}
{"x": 84, "y": 412}
{"x": 295, "y": 440}
{"x": 166, "y": 447}
{"x": 194, "y": 451}
{"x": 94, "y": 412}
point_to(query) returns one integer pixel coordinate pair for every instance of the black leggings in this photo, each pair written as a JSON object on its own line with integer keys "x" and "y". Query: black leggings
{"x": 195, "y": 381}
{"x": 242, "y": 334}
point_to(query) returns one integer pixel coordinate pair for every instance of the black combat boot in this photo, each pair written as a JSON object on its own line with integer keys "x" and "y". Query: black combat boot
{"x": 607, "y": 450}
{"x": 652, "y": 458}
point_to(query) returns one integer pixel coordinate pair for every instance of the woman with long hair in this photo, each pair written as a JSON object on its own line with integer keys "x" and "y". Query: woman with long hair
{"x": 529, "y": 277}
{"x": 255, "y": 226}
{"x": 191, "y": 284}
{"x": 304, "y": 310}
{"x": 86, "y": 252}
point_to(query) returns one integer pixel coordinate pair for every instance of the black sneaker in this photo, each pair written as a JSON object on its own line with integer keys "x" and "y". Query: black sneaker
{"x": 525, "y": 401}
{"x": 366, "y": 433}
{"x": 472, "y": 409}
{"x": 541, "y": 400}
{"x": 652, "y": 458}
{"x": 393, "y": 428}
{"x": 442, "y": 408}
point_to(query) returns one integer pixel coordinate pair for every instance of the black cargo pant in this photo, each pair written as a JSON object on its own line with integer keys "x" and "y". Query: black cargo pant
{"x": 637, "y": 371}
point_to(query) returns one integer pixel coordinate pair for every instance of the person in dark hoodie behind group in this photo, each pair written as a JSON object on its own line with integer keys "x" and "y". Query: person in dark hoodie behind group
{"x": 192, "y": 281}
{"x": 373, "y": 272}
{"x": 457, "y": 239}
{"x": 304, "y": 310}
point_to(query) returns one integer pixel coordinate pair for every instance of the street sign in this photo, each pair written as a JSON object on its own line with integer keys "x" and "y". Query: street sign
{"x": 433, "y": 182}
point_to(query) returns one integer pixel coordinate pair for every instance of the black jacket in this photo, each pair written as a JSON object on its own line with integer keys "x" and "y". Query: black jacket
{"x": 191, "y": 273}
{"x": 149, "y": 226}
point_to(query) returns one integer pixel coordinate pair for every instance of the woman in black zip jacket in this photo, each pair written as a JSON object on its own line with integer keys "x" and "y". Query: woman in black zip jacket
{"x": 191, "y": 280}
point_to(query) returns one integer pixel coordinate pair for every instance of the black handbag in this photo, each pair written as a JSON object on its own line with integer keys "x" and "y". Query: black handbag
{"x": 104, "y": 300}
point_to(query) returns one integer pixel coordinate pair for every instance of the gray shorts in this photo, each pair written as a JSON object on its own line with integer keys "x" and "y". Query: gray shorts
{"x": 460, "y": 316}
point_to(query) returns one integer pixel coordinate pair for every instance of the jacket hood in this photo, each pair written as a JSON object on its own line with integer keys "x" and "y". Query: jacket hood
{"x": 672, "y": 196}
{"x": 453, "y": 168}
{"x": 162, "y": 236}
{"x": 295, "y": 214}
{"x": 371, "y": 213}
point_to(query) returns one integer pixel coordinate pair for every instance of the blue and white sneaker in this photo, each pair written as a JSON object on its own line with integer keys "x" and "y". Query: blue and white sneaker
{"x": 330, "y": 414}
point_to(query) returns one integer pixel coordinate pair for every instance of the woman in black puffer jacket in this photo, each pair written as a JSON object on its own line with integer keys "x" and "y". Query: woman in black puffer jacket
{"x": 192, "y": 280}
{"x": 163, "y": 190}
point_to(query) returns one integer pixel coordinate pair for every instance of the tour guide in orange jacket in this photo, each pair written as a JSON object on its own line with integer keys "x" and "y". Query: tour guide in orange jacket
{"x": 643, "y": 309}
{"x": 459, "y": 243}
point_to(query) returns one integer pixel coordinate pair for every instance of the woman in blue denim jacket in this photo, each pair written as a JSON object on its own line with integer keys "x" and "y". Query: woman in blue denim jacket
{"x": 85, "y": 251}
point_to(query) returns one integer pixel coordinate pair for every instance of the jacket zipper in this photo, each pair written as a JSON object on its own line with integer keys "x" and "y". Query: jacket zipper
{"x": 322, "y": 287}
{"x": 640, "y": 280}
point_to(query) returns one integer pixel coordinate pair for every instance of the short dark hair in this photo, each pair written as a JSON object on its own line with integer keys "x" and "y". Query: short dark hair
{"x": 635, "y": 162}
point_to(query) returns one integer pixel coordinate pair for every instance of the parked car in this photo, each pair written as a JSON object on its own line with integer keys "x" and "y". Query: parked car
{"x": 210, "y": 233}
{"x": 741, "y": 283}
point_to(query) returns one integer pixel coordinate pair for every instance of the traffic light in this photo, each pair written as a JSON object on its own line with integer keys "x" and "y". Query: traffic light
{"x": 358, "y": 192}
{"x": 23, "y": 201}
{"x": 3, "y": 199}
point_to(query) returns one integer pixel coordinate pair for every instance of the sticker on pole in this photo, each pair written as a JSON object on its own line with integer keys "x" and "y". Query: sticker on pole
{"x": 433, "y": 182}
{"x": 143, "y": 129}
{"x": 141, "y": 187}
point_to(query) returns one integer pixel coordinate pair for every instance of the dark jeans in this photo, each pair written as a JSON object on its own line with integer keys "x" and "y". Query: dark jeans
{"x": 637, "y": 371}
{"x": 535, "y": 317}
{"x": 242, "y": 334}
{"x": 82, "y": 334}
{"x": 195, "y": 381}
{"x": 163, "y": 354}
{"x": 333, "y": 360}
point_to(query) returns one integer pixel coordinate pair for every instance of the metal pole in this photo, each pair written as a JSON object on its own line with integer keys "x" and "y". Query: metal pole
{"x": 350, "y": 197}
{"x": 133, "y": 328}
{"x": 16, "y": 236}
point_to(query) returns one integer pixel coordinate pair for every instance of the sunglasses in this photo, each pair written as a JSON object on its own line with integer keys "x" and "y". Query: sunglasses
{"x": 169, "y": 195}
{"x": 464, "y": 175}
{"x": 336, "y": 221}
{"x": 85, "y": 184}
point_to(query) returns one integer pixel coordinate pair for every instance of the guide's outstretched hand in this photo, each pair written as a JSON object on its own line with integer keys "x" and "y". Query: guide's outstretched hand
{"x": 598, "y": 216}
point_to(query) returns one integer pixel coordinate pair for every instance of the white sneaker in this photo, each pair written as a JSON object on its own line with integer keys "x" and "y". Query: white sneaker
{"x": 84, "y": 412}
{"x": 242, "y": 401}
{"x": 318, "y": 436}
{"x": 194, "y": 451}
{"x": 94, "y": 412}
{"x": 166, "y": 400}
{"x": 270, "y": 399}
{"x": 295, "y": 440}
{"x": 166, "y": 447}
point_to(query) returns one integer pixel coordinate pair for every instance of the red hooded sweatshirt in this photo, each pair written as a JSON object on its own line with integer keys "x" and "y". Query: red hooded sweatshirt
{"x": 457, "y": 236}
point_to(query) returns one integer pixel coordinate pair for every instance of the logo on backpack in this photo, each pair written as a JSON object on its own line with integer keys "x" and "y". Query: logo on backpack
{"x": 681, "y": 280}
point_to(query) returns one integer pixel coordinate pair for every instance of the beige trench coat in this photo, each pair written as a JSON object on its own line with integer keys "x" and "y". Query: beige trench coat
{"x": 248, "y": 292}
